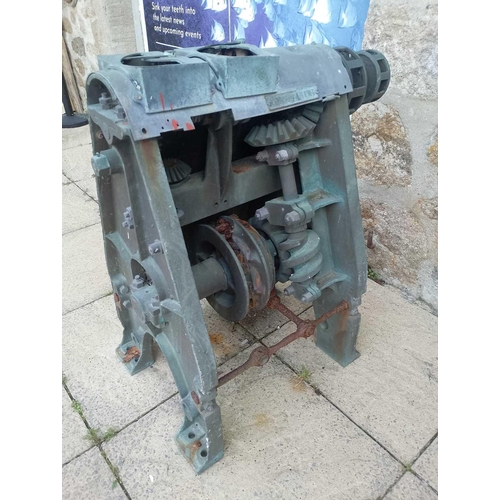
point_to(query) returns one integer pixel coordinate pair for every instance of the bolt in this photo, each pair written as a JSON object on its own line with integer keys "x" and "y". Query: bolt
{"x": 99, "y": 135}
{"x": 126, "y": 304}
{"x": 155, "y": 248}
{"x": 138, "y": 281}
{"x": 105, "y": 101}
{"x": 120, "y": 112}
{"x": 292, "y": 217}
{"x": 262, "y": 213}
{"x": 307, "y": 297}
{"x": 210, "y": 407}
{"x": 195, "y": 397}
{"x": 288, "y": 290}
{"x": 281, "y": 155}
{"x": 138, "y": 97}
{"x": 123, "y": 289}
{"x": 262, "y": 156}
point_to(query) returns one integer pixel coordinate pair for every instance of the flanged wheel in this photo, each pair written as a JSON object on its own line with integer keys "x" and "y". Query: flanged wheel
{"x": 247, "y": 261}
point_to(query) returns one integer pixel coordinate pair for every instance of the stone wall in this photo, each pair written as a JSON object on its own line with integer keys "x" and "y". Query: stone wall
{"x": 95, "y": 27}
{"x": 396, "y": 148}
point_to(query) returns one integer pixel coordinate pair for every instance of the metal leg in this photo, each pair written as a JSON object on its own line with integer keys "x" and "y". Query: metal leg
{"x": 331, "y": 168}
{"x": 155, "y": 291}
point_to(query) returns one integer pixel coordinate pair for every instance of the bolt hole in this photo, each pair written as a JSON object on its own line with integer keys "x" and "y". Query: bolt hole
{"x": 144, "y": 131}
{"x": 216, "y": 204}
{"x": 168, "y": 119}
{"x": 203, "y": 453}
{"x": 191, "y": 435}
{"x": 163, "y": 128}
{"x": 225, "y": 201}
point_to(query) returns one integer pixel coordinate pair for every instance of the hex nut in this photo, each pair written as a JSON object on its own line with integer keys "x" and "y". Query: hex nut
{"x": 292, "y": 217}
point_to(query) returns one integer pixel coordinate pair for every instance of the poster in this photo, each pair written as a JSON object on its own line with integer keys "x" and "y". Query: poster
{"x": 265, "y": 23}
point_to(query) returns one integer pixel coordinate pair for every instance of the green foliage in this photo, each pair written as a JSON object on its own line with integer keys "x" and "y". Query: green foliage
{"x": 110, "y": 433}
{"x": 97, "y": 437}
{"x": 77, "y": 407}
{"x": 304, "y": 374}
{"x": 373, "y": 275}
{"x": 94, "y": 436}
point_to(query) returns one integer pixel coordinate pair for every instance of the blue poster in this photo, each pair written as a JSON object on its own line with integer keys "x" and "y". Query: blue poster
{"x": 265, "y": 23}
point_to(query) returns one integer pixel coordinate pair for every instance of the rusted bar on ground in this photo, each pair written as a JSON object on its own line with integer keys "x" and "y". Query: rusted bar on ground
{"x": 305, "y": 328}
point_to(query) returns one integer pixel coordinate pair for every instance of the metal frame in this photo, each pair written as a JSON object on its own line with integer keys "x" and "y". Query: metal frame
{"x": 155, "y": 285}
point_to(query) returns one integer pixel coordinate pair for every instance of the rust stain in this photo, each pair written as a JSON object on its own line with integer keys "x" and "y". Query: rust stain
{"x": 240, "y": 169}
{"x": 189, "y": 126}
{"x": 132, "y": 353}
{"x": 171, "y": 107}
{"x": 194, "y": 448}
{"x": 162, "y": 100}
{"x": 261, "y": 420}
{"x": 175, "y": 124}
{"x": 305, "y": 328}
{"x": 216, "y": 338}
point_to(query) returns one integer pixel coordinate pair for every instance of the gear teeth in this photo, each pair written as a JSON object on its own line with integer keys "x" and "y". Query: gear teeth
{"x": 252, "y": 135}
{"x": 290, "y": 130}
{"x": 285, "y": 130}
{"x": 176, "y": 170}
{"x": 281, "y": 132}
{"x": 313, "y": 111}
{"x": 298, "y": 127}
{"x": 272, "y": 134}
{"x": 308, "y": 124}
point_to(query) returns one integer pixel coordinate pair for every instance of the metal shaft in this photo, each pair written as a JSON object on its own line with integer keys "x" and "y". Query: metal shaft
{"x": 288, "y": 184}
{"x": 209, "y": 277}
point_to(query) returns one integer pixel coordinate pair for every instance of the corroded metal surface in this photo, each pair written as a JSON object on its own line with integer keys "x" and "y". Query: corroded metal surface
{"x": 305, "y": 328}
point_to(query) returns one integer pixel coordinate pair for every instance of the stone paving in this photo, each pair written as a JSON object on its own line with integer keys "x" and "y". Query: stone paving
{"x": 367, "y": 431}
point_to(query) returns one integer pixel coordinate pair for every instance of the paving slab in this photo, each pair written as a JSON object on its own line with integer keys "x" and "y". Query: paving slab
{"x": 227, "y": 338}
{"x": 76, "y": 162}
{"x": 78, "y": 209}
{"x": 89, "y": 477}
{"x": 391, "y": 389}
{"x": 72, "y": 137}
{"x": 73, "y": 431}
{"x": 261, "y": 323}
{"x": 281, "y": 441}
{"x": 410, "y": 487}
{"x": 85, "y": 276}
{"x": 88, "y": 186}
{"x": 427, "y": 465}
{"x": 109, "y": 395}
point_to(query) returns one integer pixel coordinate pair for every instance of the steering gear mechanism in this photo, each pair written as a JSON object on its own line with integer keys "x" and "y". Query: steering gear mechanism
{"x": 216, "y": 185}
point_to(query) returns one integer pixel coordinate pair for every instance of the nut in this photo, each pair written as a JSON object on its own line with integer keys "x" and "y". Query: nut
{"x": 262, "y": 213}
{"x": 292, "y": 217}
{"x": 155, "y": 248}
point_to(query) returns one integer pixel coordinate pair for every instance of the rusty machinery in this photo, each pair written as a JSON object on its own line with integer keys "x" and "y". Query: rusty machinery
{"x": 221, "y": 171}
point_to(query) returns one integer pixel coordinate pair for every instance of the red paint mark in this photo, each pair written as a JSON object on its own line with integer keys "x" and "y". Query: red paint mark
{"x": 189, "y": 126}
{"x": 175, "y": 124}
{"x": 171, "y": 107}
{"x": 162, "y": 101}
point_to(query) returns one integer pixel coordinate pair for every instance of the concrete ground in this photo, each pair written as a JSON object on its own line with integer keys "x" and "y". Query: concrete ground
{"x": 367, "y": 431}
